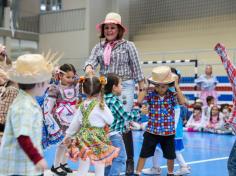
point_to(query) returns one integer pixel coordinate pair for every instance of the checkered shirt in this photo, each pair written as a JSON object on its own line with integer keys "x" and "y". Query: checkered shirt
{"x": 119, "y": 113}
{"x": 231, "y": 71}
{"x": 7, "y": 95}
{"x": 24, "y": 118}
{"x": 124, "y": 60}
{"x": 161, "y": 119}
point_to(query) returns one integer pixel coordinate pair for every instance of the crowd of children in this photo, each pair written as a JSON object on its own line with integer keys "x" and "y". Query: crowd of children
{"x": 88, "y": 131}
{"x": 42, "y": 105}
{"x": 210, "y": 118}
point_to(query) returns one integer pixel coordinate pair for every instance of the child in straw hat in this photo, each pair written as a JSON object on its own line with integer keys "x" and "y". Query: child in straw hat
{"x": 180, "y": 113}
{"x": 161, "y": 123}
{"x": 21, "y": 148}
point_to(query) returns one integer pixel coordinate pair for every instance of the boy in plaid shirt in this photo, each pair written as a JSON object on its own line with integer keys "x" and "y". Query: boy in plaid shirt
{"x": 21, "y": 149}
{"x": 161, "y": 122}
{"x": 113, "y": 89}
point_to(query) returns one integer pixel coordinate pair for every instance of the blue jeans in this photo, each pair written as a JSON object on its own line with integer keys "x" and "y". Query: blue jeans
{"x": 127, "y": 94}
{"x": 127, "y": 97}
{"x": 118, "y": 164}
{"x": 232, "y": 161}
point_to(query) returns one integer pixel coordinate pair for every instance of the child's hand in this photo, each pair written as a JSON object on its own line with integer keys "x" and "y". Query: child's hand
{"x": 144, "y": 109}
{"x": 2, "y": 50}
{"x": 67, "y": 141}
{"x": 135, "y": 126}
{"x": 42, "y": 165}
{"x": 227, "y": 125}
{"x": 176, "y": 80}
{"x": 89, "y": 70}
{"x": 144, "y": 125}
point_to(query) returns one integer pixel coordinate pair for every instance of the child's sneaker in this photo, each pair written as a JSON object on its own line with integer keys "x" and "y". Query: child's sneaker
{"x": 58, "y": 171}
{"x": 152, "y": 171}
{"x": 183, "y": 171}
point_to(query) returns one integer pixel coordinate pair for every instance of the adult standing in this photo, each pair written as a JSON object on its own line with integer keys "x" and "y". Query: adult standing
{"x": 117, "y": 55}
{"x": 207, "y": 84}
{"x": 231, "y": 72}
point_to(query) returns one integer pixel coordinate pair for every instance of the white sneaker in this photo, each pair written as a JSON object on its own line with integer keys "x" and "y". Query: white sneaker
{"x": 152, "y": 171}
{"x": 183, "y": 171}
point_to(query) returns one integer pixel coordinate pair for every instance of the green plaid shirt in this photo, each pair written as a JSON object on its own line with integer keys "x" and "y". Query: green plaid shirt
{"x": 121, "y": 117}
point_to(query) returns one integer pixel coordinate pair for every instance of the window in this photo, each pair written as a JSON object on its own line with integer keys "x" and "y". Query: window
{"x": 19, "y": 47}
{"x": 51, "y": 5}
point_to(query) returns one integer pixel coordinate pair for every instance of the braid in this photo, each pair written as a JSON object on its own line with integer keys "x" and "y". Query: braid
{"x": 102, "y": 104}
{"x": 91, "y": 91}
{"x": 81, "y": 81}
{"x": 103, "y": 82}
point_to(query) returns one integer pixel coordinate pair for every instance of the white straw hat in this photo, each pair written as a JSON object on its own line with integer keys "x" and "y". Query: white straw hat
{"x": 162, "y": 75}
{"x": 33, "y": 68}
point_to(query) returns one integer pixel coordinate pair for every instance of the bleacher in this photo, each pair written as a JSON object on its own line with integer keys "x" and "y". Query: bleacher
{"x": 223, "y": 88}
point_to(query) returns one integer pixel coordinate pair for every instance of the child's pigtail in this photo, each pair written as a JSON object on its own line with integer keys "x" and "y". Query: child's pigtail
{"x": 81, "y": 81}
{"x": 103, "y": 82}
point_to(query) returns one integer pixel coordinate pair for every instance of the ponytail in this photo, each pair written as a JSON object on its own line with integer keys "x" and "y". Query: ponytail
{"x": 81, "y": 81}
{"x": 103, "y": 82}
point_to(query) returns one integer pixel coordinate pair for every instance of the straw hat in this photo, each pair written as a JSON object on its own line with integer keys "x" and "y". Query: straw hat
{"x": 32, "y": 68}
{"x": 162, "y": 75}
{"x": 111, "y": 17}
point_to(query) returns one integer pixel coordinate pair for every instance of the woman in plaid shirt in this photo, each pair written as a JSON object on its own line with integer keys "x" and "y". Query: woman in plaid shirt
{"x": 119, "y": 56}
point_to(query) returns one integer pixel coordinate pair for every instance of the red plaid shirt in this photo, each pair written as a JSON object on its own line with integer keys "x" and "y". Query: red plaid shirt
{"x": 231, "y": 71}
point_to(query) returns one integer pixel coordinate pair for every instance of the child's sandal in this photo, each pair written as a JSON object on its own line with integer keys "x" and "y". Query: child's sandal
{"x": 65, "y": 168}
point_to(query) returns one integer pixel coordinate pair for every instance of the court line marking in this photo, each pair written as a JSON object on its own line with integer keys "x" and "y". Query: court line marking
{"x": 202, "y": 161}
{"x": 190, "y": 163}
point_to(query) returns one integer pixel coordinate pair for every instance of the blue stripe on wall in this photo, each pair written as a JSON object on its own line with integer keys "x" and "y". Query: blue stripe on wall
{"x": 220, "y": 98}
{"x": 221, "y": 79}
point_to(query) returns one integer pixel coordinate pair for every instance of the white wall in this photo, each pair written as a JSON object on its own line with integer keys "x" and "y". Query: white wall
{"x": 73, "y": 4}
{"x": 73, "y": 45}
{"x": 29, "y": 7}
{"x": 96, "y": 12}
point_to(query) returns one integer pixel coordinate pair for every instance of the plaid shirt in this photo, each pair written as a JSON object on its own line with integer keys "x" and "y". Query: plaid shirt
{"x": 124, "y": 60}
{"x": 120, "y": 115}
{"x": 24, "y": 118}
{"x": 231, "y": 71}
{"x": 7, "y": 95}
{"x": 161, "y": 113}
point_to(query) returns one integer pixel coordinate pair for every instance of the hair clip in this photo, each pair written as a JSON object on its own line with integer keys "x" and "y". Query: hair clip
{"x": 103, "y": 80}
{"x": 81, "y": 79}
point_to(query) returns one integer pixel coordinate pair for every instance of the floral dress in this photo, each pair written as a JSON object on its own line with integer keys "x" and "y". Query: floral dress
{"x": 59, "y": 107}
{"x": 92, "y": 142}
